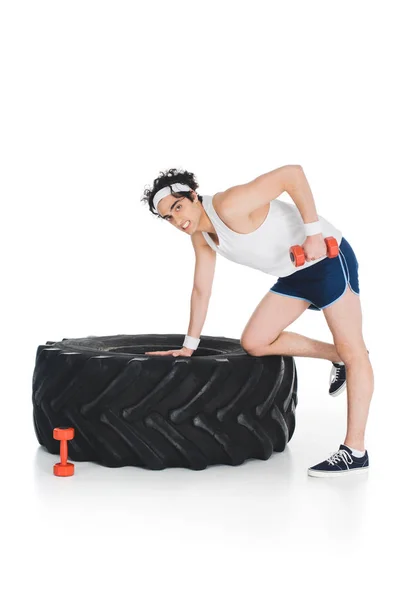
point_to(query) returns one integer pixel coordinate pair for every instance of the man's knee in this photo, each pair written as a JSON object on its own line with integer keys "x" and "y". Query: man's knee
{"x": 351, "y": 352}
{"x": 256, "y": 346}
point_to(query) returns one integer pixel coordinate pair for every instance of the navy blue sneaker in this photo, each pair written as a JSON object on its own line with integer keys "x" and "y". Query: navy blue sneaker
{"x": 337, "y": 380}
{"x": 341, "y": 462}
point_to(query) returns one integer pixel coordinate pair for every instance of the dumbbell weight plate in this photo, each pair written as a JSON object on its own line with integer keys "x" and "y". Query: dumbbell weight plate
{"x": 63, "y": 433}
{"x": 63, "y": 470}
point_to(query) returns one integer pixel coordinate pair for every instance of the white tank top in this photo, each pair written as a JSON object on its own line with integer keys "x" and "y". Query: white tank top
{"x": 266, "y": 248}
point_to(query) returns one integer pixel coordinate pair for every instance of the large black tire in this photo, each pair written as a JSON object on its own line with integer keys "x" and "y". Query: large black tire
{"x": 219, "y": 406}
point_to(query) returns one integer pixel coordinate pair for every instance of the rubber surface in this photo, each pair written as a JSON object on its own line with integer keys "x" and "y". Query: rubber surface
{"x": 219, "y": 406}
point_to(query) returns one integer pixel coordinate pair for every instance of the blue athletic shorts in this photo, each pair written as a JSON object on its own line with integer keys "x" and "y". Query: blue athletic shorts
{"x": 325, "y": 282}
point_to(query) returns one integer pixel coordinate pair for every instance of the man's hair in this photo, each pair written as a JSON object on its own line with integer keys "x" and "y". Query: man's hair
{"x": 168, "y": 178}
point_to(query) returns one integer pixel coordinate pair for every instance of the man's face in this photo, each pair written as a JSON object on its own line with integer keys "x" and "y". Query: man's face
{"x": 178, "y": 211}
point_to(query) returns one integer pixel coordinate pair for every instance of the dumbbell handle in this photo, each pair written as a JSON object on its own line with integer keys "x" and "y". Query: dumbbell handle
{"x": 63, "y": 452}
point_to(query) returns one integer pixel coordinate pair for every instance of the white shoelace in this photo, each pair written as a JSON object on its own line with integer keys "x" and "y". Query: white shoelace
{"x": 340, "y": 455}
{"x": 336, "y": 373}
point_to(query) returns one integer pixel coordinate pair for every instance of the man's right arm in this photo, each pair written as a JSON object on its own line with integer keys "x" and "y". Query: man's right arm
{"x": 204, "y": 272}
{"x": 198, "y": 312}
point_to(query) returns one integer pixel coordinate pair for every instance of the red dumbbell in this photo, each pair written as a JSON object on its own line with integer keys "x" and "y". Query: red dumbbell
{"x": 63, "y": 434}
{"x": 298, "y": 257}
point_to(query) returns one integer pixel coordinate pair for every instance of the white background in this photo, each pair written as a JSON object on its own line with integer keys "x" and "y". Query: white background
{"x": 96, "y": 99}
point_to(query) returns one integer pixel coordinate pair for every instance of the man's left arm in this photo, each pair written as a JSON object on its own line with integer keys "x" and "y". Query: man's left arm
{"x": 300, "y": 192}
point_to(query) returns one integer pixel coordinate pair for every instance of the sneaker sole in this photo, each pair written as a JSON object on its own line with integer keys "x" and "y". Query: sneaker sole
{"x": 336, "y": 473}
{"x": 339, "y": 390}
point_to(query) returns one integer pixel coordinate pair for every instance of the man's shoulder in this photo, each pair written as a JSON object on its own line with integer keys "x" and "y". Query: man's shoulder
{"x": 198, "y": 239}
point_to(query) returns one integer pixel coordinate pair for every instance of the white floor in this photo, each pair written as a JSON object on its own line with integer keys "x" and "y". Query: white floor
{"x": 225, "y": 532}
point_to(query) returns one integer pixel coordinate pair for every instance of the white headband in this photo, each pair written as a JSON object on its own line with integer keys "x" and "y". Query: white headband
{"x": 166, "y": 191}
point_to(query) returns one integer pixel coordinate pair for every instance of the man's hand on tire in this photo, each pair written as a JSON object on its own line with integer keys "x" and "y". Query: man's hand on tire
{"x": 180, "y": 352}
